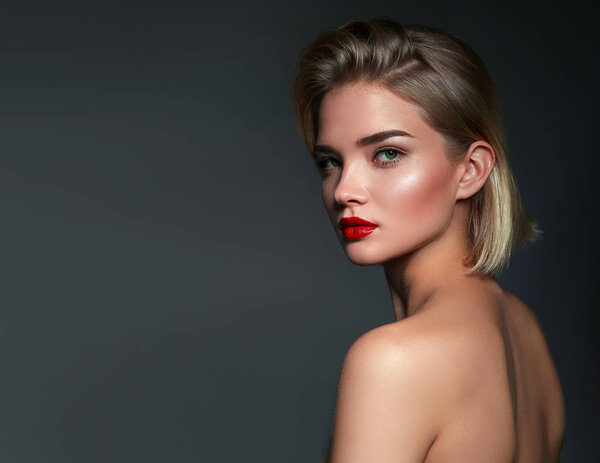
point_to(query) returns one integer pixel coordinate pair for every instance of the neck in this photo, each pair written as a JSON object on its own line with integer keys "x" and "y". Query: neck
{"x": 421, "y": 275}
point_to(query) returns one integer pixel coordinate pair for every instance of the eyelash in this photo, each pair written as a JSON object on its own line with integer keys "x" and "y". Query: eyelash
{"x": 321, "y": 163}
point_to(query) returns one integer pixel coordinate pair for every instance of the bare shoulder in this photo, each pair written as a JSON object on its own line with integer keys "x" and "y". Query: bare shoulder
{"x": 522, "y": 313}
{"x": 442, "y": 355}
{"x": 527, "y": 322}
{"x": 399, "y": 387}
{"x": 529, "y": 331}
{"x": 388, "y": 404}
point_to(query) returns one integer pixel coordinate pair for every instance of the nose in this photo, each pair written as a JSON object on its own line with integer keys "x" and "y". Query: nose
{"x": 351, "y": 188}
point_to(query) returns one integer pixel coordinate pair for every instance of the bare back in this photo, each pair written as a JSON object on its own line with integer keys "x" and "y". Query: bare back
{"x": 510, "y": 407}
{"x": 540, "y": 410}
{"x": 518, "y": 414}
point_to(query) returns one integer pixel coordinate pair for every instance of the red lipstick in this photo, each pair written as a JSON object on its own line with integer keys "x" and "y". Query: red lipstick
{"x": 355, "y": 228}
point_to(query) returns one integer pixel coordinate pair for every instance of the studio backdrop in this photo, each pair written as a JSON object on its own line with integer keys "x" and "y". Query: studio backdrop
{"x": 172, "y": 289}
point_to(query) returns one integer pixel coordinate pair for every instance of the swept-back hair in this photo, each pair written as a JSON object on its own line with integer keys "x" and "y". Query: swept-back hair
{"x": 454, "y": 92}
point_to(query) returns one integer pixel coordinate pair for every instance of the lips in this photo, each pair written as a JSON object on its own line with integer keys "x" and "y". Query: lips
{"x": 355, "y": 228}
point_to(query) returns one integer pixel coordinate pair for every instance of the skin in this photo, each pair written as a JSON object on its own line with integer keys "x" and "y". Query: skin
{"x": 462, "y": 366}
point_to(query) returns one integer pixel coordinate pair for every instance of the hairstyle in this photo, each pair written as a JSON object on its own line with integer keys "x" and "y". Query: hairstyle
{"x": 454, "y": 92}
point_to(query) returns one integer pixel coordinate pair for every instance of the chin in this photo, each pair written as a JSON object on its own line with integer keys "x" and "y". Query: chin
{"x": 363, "y": 257}
{"x": 363, "y": 253}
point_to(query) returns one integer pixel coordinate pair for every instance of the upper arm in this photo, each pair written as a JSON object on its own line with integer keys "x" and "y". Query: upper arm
{"x": 390, "y": 400}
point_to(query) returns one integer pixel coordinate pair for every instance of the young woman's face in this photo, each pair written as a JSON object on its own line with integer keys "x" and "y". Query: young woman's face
{"x": 381, "y": 162}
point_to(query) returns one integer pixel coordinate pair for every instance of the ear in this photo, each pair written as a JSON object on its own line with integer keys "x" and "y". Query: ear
{"x": 476, "y": 167}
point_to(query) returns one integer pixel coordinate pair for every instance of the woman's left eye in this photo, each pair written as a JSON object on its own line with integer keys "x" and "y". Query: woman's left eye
{"x": 388, "y": 155}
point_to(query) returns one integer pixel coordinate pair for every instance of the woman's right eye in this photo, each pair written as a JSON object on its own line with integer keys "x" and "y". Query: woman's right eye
{"x": 327, "y": 163}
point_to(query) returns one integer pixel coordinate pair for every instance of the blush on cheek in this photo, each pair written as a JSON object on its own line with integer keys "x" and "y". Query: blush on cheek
{"x": 420, "y": 202}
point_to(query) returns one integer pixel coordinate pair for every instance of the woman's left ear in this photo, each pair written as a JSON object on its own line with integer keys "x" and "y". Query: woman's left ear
{"x": 476, "y": 166}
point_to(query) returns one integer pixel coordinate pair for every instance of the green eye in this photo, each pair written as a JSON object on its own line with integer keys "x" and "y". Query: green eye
{"x": 388, "y": 157}
{"x": 389, "y": 154}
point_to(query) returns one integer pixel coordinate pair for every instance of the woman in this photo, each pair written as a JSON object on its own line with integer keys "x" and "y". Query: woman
{"x": 405, "y": 128}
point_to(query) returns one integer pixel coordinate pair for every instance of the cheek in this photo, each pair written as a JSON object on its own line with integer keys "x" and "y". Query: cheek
{"x": 419, "y": 198}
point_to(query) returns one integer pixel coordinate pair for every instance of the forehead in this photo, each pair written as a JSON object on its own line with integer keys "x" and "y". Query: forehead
{"x": 359, "y": 109}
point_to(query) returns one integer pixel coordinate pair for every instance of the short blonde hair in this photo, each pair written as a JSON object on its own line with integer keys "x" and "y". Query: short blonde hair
{"x": 446, "y": 79}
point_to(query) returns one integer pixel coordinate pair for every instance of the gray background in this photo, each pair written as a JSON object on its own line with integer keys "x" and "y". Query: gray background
{"x": 171, "y": 287}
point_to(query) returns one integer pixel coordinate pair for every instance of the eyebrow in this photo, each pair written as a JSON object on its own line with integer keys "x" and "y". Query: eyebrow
{"x": 366, "y": 141}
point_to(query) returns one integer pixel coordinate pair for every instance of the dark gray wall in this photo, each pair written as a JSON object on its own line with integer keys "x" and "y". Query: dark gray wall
{"x": 171, "y": 287}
